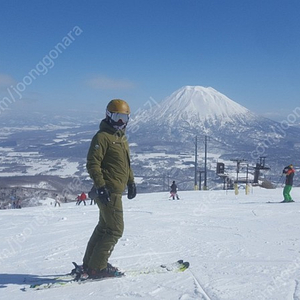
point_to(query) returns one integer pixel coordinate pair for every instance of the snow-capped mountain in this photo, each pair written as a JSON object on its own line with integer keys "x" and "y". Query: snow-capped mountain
{"x": 196, "y": 110}
{"x": 193, "y": 104}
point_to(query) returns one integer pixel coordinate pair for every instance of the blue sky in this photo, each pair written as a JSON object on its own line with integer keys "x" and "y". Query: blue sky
{"x": 81, "y": 54}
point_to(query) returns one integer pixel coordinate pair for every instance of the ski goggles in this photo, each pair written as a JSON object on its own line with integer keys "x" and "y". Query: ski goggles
{"x": 118, "y": 117}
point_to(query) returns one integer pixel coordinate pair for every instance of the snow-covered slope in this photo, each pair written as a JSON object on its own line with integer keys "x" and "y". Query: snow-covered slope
{"x": 239, "y": 248}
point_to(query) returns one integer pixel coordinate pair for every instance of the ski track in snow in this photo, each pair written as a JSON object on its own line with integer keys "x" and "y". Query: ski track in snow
{"x": 296, "y": 295}
{"x": 239, "y": 248}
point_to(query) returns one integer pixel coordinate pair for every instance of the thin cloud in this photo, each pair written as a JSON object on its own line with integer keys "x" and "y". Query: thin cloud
{"x": 106, "y": 83}
{"x": 6, "y": 80}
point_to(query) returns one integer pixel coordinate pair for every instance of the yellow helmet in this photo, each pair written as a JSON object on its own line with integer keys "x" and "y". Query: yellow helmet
{"x": 117, "y": 113}
{"x": 118, "y": 106}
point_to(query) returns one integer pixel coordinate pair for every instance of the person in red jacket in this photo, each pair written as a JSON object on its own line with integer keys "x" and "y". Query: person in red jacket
{"x": 80, "y": 198}
{"x": 289, "y": 172}
{"x": 83, "y": 197}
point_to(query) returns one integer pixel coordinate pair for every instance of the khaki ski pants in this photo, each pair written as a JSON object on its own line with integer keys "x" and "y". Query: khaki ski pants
{"x": 106, "y": 234}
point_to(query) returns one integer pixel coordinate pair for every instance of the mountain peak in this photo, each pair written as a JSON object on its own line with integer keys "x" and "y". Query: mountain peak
{"x": 197, "y": 104}
{"x": 205, "y": 102}
{"x": 198, "y": 110}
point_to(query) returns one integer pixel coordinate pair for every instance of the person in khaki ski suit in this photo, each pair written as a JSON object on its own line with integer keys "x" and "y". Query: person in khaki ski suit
{"x": 108, "y": 164}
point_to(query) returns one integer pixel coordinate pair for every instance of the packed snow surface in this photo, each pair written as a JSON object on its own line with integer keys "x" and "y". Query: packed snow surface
{"x": 239, "y": 247}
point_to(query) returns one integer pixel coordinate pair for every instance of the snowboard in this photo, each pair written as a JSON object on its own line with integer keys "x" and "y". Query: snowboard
{"x": 68, "y": 279}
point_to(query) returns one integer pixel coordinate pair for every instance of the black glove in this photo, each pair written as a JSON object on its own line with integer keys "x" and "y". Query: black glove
{"x": 93, "y": 193}
{"x": 103, "y": 195}
{"x": 131, "y": 190}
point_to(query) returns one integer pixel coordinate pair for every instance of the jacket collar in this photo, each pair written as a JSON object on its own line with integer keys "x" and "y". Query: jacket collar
{"x": 104, "y": 126}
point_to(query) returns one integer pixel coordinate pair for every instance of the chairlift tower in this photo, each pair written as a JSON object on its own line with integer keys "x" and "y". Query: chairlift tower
{"x": 259, "y": 166}
{"x": 196, "y": 163}
{"x": 238, "y": 163}
{"x": 205, "y": 164}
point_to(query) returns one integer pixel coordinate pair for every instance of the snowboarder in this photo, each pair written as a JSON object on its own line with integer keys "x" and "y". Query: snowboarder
{"x": 108, "y": 164}
{"x": 174, "y": 191}
{"x": 289, "y": 172}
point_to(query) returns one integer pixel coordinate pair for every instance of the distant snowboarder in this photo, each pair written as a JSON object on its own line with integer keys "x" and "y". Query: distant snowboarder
{"x": 289, "y": 172}
{"x": 174, "y": 191}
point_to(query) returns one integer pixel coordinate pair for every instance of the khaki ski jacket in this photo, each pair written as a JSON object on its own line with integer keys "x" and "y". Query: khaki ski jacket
{"x": 108, "y": 159}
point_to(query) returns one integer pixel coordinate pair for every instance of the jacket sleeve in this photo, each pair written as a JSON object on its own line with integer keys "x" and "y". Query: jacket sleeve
{"x": 130, "y": 176}
{"x": 95, "y": 156}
